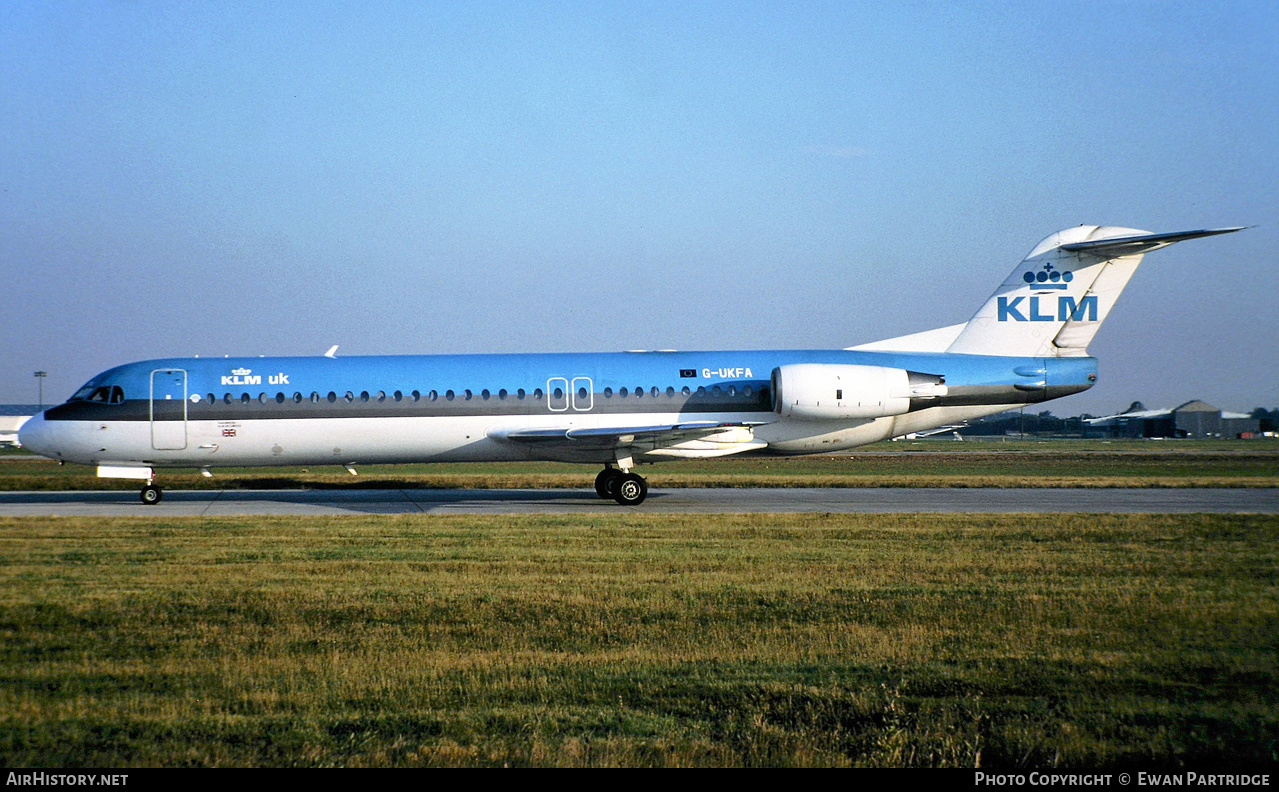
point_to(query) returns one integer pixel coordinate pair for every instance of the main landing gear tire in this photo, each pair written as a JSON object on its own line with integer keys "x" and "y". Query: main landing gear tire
{"x": 606, "y": 483}
{"x": 151, "y": 495}
{"x": 631, "y": 490}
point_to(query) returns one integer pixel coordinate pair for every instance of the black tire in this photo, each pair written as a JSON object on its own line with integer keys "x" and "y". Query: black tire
{"x": 606, "y": 483}
{"x": 631, "y": 490}
{"x": 151, "y": 495}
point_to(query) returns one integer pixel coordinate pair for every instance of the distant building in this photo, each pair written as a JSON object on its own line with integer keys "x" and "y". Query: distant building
{"x": 1194, "y": 419}
{"x": 12, "y": 417}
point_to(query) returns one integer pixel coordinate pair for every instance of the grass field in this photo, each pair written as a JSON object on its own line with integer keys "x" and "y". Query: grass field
{"x": 870, "y": 640}
{"x": 929, "y": 463}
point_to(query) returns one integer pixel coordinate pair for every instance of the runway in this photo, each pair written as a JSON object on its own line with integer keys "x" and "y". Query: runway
{"x": 209, "y": 503}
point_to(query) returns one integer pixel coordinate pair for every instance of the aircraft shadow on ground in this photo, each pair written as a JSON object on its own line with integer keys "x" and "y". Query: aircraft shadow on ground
{"x": 379, "y": 500}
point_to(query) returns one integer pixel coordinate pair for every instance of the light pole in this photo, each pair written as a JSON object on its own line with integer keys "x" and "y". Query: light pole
{"x": 40, "y": 375}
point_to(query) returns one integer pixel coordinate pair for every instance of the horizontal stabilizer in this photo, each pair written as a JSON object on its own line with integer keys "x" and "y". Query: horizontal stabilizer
{"x": 1126, "y": 246}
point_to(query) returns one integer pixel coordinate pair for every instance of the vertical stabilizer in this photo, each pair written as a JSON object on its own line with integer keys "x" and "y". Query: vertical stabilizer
{"x": 1054, "y": 301}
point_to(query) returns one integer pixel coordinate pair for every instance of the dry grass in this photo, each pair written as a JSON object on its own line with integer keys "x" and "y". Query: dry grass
{"x": 879, "y": 640}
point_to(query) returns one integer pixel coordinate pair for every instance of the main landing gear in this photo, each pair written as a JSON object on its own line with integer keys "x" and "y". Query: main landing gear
{"x": 151, "y": 494}
{"x": 628, "y": 489}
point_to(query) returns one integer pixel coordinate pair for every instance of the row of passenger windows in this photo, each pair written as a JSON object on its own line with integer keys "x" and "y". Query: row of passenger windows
{"x": 715, "y": 391}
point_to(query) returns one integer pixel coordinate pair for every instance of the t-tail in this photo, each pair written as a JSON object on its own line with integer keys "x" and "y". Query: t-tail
{"x": 1055, "y": 300}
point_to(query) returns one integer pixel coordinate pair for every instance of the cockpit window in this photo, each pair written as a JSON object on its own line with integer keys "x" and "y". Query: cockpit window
{"x": 103, "y": 394}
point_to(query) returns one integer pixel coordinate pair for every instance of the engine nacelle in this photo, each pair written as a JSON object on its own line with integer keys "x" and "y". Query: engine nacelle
{"x": 826, "y": 391}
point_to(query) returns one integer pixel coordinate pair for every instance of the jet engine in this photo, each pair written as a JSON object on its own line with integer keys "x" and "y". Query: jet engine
{"x": 826, "y": 391}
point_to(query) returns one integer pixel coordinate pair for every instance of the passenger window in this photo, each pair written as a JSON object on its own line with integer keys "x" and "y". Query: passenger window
{"x": 608, "y": 393}
{"x": 484, "y": 394}
{"x": 381, "y": 396}
{"x": 244, "y": 398}
{"x": 350, "y": 397}
{"x": 520, "y": 393}
{"x": 670, "y": 392}
{"x": 398, "y": 396}
{"x": 468, "y": 394}
{"x": 656, "y": 392}
{"x": 623, "y": 393}
{"x": 537, "y": 394}
{"x": 686, "y": 391}
{"x": 332, "y": 397}
{"x": 448, "y": 395}
{"x": 279, "y": 398}
{"x": 502, "y": 394}
{"x": 364, "y": 396}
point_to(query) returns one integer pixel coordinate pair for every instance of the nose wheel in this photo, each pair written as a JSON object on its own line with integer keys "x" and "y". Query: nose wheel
{"x": 628, "y": 489}
{"x": 151, "y": 495}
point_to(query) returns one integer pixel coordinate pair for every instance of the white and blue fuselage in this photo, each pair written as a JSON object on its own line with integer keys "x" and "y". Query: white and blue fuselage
{"x": 207, "y": 412}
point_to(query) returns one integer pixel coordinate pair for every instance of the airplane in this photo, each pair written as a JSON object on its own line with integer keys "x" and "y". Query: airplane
{"x": 1026, "y": 344}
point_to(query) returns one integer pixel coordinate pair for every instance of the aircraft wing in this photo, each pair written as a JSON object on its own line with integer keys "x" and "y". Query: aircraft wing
{"x": 719, "y": 436}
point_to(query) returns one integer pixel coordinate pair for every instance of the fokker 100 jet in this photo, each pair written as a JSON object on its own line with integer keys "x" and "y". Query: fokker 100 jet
{"x": 1027, "y": 344}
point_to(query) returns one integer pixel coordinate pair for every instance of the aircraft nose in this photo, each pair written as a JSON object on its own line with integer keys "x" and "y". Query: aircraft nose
{"x": 34, "y": 435}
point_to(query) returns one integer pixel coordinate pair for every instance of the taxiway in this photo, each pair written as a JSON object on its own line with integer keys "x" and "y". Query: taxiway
{"x": 663, "y": 501}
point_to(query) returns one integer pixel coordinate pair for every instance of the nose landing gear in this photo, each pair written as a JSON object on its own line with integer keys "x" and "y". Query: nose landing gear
{"x": 151, "y": 494}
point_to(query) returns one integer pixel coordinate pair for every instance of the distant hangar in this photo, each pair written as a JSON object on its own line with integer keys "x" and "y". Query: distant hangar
{"x": 11, "y": 420}
{"x": 1194, "y": 419}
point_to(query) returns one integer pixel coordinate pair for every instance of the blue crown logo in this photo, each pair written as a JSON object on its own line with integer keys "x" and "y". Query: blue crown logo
{"x": 1049, "y": 278}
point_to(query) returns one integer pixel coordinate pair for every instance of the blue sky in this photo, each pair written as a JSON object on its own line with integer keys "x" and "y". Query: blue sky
{"x": 278, "y": 177}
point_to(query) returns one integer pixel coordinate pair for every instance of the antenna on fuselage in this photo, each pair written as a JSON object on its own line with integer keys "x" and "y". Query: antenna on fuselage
{"x": 333, "y": 350}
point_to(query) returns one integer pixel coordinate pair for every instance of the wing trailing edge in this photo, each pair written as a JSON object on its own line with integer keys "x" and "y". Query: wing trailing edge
{"x": 692, "y": 439}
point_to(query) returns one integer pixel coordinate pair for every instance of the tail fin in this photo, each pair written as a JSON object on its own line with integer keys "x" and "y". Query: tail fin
{"x": 1055, "y": 300}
